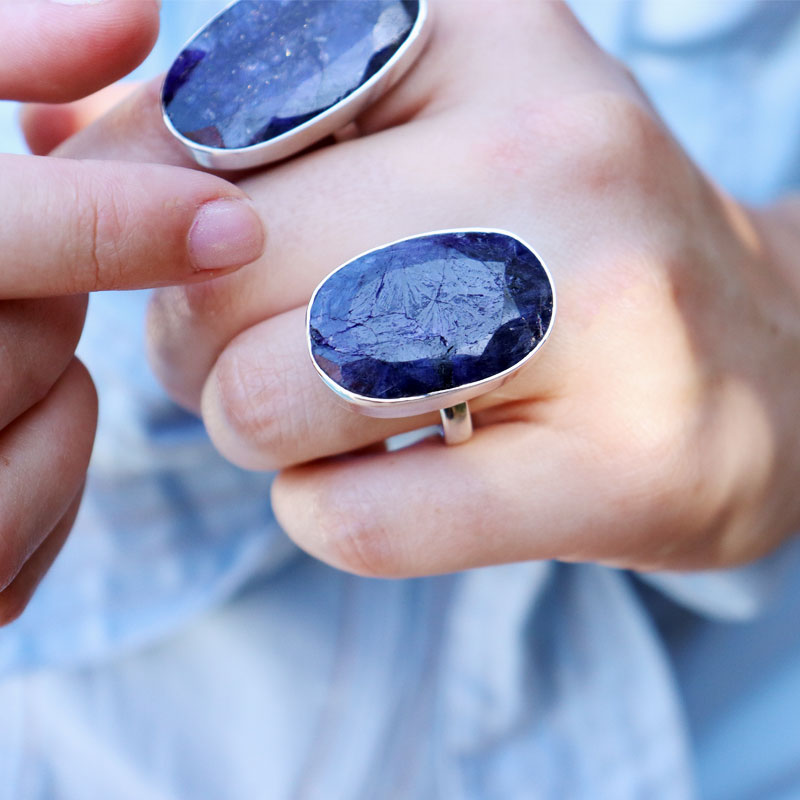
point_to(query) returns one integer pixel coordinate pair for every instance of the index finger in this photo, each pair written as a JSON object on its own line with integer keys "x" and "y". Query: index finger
{"x": 70, "y": 227}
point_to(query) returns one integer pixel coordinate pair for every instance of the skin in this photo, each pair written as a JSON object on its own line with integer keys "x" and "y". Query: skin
{"x": 68, "y": 228}
{"x": 656, "y": 430}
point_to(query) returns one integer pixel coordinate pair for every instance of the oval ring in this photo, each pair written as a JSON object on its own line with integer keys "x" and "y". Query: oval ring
{"x": 430, "y": 322}
{"x": 266, "y": 79}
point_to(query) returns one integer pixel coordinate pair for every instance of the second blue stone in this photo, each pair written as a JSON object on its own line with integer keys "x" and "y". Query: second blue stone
{"x": 264, "y": 67}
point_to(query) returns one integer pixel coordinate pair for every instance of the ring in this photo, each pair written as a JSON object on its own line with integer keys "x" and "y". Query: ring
{"x": 430, "y": 322}
{"x": 265, "y": 79}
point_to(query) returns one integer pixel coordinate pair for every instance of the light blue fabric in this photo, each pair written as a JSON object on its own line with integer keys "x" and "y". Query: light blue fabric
{"x": 183, "y": 648}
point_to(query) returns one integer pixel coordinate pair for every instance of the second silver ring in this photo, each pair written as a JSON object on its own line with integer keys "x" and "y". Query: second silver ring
{"x": 264, "y": 80}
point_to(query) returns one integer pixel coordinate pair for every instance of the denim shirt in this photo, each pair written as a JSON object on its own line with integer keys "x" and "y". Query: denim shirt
{"x": 182, "y": 647}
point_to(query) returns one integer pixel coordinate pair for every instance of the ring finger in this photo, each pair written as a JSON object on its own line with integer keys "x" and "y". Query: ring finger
{"x": 265, "y": 407}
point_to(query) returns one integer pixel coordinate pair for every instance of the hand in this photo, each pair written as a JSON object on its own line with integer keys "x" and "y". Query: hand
{"x": 656, "y": 429}
{"x": 67, "y": 228}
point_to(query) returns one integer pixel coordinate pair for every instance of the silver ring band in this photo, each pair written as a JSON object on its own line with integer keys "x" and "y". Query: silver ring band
{"x": 456, "y": 424}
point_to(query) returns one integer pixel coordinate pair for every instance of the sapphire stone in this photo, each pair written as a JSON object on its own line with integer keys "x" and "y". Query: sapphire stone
{"x": 431, "y": 313}
{"x": 264, "y": 67}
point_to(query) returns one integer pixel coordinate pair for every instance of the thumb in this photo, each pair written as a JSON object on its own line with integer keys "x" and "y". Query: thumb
{"x": 80, "y": 226}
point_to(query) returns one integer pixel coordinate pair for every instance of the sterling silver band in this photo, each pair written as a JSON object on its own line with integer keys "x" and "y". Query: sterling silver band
{"x": 456, "y": 424}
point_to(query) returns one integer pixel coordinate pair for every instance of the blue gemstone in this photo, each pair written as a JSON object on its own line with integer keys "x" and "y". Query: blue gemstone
{"x": 431, "y": 313}
{"x": 264, "y": 67}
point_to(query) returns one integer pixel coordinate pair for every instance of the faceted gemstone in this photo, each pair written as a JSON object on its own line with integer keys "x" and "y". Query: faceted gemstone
{"x": 264, "y": 67}
{"x": 431, "y": 313}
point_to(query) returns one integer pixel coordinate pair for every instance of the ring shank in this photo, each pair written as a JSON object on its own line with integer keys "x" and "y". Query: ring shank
{"x": 456, "y": 424}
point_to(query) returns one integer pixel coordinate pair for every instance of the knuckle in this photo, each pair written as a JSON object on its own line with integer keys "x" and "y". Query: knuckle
{"x": 177, "y": 312}
{"x": 203, "y": 302}
{"x": 509, "y": 147}
{"x": 593, "y": 140}
{"x": 101, "y": 233}
{"x": 250, "y": 392}
{"x": 182, "y": 317}
{"x": 112, "y": 234}
{"x": 85, "y": 266}
{"x": 673, "y": 497}
{"x": 145, "y": 103}
{"x": 649, "y": 484}
{"x": 350, "y": 536}
{"x": 611, "y": 136}
{"x": 169, "y": 321}
{"x": 267, "y": 398}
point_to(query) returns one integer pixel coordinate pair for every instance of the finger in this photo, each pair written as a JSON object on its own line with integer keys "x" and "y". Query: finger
{"x": 71, "y": 227}
{"x": 427, "y": 510}
{"x": 37, "y": 342}
{"x": 59, "y": 51}
{"x": 265, "y": 407}
{"x": 43, "y": 460}
{"x": 47, "y": 125}
{"x": 15, "y": 598}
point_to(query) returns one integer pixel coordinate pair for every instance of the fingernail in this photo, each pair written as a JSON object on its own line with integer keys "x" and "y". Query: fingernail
{"x": 78, "y": 2}
{"x": 225, "y": 234}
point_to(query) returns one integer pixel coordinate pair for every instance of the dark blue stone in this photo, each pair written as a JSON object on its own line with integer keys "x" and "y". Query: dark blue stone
{"x": 264, "y": 67}
{"x": 431, "y": 313}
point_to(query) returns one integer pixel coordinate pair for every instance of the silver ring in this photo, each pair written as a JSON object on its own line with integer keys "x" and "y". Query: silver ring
{"x": 429, "y": 322}
{"x": 266, "y": 79}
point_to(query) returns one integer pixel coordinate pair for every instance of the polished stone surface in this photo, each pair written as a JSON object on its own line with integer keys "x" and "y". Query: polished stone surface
{"x": 431, "y": 313}
{"x": 264, "y": 67}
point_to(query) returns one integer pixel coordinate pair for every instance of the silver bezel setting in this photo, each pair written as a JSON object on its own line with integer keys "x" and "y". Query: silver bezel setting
{"x": 435, "y": 401}
{"x": 324, "y": 124}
